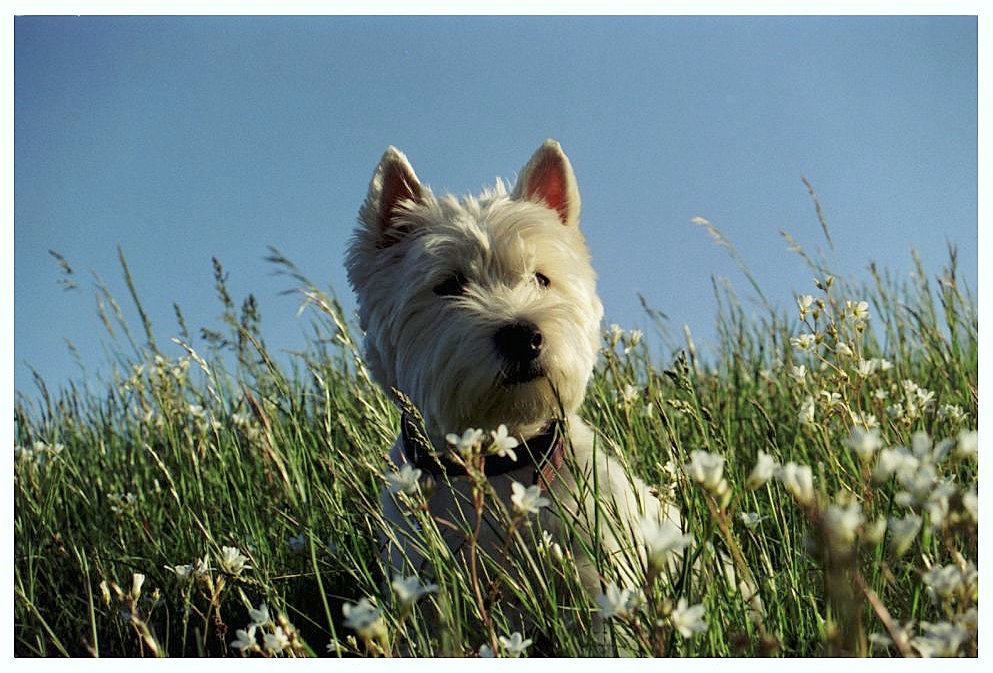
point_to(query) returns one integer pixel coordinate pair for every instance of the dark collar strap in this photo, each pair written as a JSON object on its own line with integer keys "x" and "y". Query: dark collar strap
{"x": 545, "y": 451}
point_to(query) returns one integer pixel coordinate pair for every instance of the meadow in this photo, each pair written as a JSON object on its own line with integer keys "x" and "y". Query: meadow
{"x": 225, "y": 502}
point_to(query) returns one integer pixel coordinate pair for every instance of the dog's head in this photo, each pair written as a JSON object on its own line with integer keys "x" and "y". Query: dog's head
{"x": 482, "y": 309}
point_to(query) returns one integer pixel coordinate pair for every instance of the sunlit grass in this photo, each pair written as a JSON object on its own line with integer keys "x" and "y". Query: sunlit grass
{"x": 157, "y": 515}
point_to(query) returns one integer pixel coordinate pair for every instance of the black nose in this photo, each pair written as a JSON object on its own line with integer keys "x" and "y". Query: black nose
{"x": 519, "y": 342}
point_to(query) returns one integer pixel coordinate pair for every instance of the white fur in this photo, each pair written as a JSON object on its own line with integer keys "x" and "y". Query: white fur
{"x": 439, "y": 350}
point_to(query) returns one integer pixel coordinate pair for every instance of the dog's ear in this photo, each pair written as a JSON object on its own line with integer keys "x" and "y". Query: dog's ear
{"x": 548, "y": 178}
{"x": 393, "y": 189}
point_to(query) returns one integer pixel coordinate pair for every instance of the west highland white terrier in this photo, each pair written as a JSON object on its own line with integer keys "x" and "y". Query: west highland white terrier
{"x": 483, "y": 311}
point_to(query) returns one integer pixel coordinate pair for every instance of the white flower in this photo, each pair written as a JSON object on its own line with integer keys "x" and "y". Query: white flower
{"x": 903, "y": 532}
{"x": 260, "y": 615}
{"x": 798, "y": 480}
{"x": 486, "y": 652}
{"x": 865, "y": 368}
{"x": 688, "y": 620}
{"x": 798, "y": 372}
{"x": 405, "y": 480}
{"x": 806, "y": 414}
{"x": 244, "y": 640}
{"x": 468, "y": 442}
{"x": 232, "y": 561}
{"x": 662, "y": 540}
{"x": 503, "y": 443}
{"x": 615, "y": 602}
{"x": 750, "y": 520}
{"x": 943, "y": 581}
{"x": 864, "y": 443}
{"x": 897, "y": 460}
{"x": 842, "y": 522}
{"x": 630, "y": 393}
{"x": 804, "y": 302}
{"x": 548, "y": 545}
{"x": 804, "y": 342}
{"x": 137, "y": 579}
{"x": 276, "y": 641}
{"x": 841, "y": 348}
{"x": 859, "y": 310}
{"x": 527, "y": 500}
{"x": 707, "y": 469}
{"x": 968, "y": 443}
{"x": 410, "y": 589}
{"x": 939, "y": 640}
{"x": 765, "y": 468}
{"x": 362, "y": 617}
{"x": 832, "y": 399}
{"x": 515, "y": 645}
{"x": 183, "y": 572}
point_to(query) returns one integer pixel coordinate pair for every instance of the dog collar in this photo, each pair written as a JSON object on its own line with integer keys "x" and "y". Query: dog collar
{"x": 544, "y": 451}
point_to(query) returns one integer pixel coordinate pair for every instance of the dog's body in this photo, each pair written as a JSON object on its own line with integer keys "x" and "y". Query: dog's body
{"x": 483, "y": 310}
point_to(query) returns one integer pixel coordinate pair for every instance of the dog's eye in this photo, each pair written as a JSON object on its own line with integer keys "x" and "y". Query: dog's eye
{"x": 453, "y": 286}
{"x": 542, "y": 279}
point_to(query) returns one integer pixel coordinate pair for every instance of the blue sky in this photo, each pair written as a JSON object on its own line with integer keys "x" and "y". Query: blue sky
{"x": 182, "y": 139}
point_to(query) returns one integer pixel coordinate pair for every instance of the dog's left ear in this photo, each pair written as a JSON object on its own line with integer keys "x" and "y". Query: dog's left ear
{"x": 548, "y": 178}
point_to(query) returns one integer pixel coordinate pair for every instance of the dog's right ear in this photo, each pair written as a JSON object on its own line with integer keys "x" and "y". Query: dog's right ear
{"x": 393, "y": 189}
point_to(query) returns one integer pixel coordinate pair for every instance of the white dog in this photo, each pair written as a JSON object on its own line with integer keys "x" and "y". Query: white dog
{"x": 483, "y": 311}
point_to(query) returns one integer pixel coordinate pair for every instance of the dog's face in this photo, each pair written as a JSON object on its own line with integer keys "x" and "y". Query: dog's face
{"x": 482, "y": 309}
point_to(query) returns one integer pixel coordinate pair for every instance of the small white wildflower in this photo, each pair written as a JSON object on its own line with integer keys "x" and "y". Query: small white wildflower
{"x": 614, "y": 602}
{"x": 183, "y": 572}
{"x": 662, "y": 540}
{"x": 883, "y": 365}
{"x": 943, "y": 581}
{"x": 232, "y": 561}
{"x": 807, "y": 409}
{"x": 894, "y": 461}
{"x": 405, "y": 480}
{"x": 688, "y": 620}
{"x": 276, "y": 642}
{"x": 970, "y": 503}
{"x": 409, "y": 590}
{"x": 707, "y": 469}
{"x": 137, "y": 579}
{"x": 486, "y": 652}
{"x": 503, "y": 443}
{"x": 630, "y": 393}
{"x": 864, "y": 443}
{"x": 833, "y": 399}
{"x": 750, "y": 520}
{"x": 843, "y": 349}
{"x": 903, "y": 532}
{"x": 799, "y": 373}
{"x": 615, "y": 334}
{"x": 842, "y": 523}
{"x": 804, "y": 342}
{"x": 865, "y": 368}
{"x": 798, "y": 480}
{"x": 859, "y": 310}
{"x": 362, "y": 617}
{"x": 515, "y": 645}
{"x": 765, "y": 468}
{"x": 259, "y": 616}
{"x": 468, "y": 442}
{"x": 244, "y": 639}
{"x": 880, "y": 394}
{"x": 952, "y": 412}
{"x": 939, "y": 640}
{"x": 804, "y": 302}
{"x": 527, "y": 500}
{"x": 548, "y": 545}
{"x": 968, "y": 443}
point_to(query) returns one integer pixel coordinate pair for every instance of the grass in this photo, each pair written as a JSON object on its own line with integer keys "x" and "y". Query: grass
{"x": 127, "y": 498}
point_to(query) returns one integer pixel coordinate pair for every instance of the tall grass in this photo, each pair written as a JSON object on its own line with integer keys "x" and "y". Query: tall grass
{"x": 153, "y": 514}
